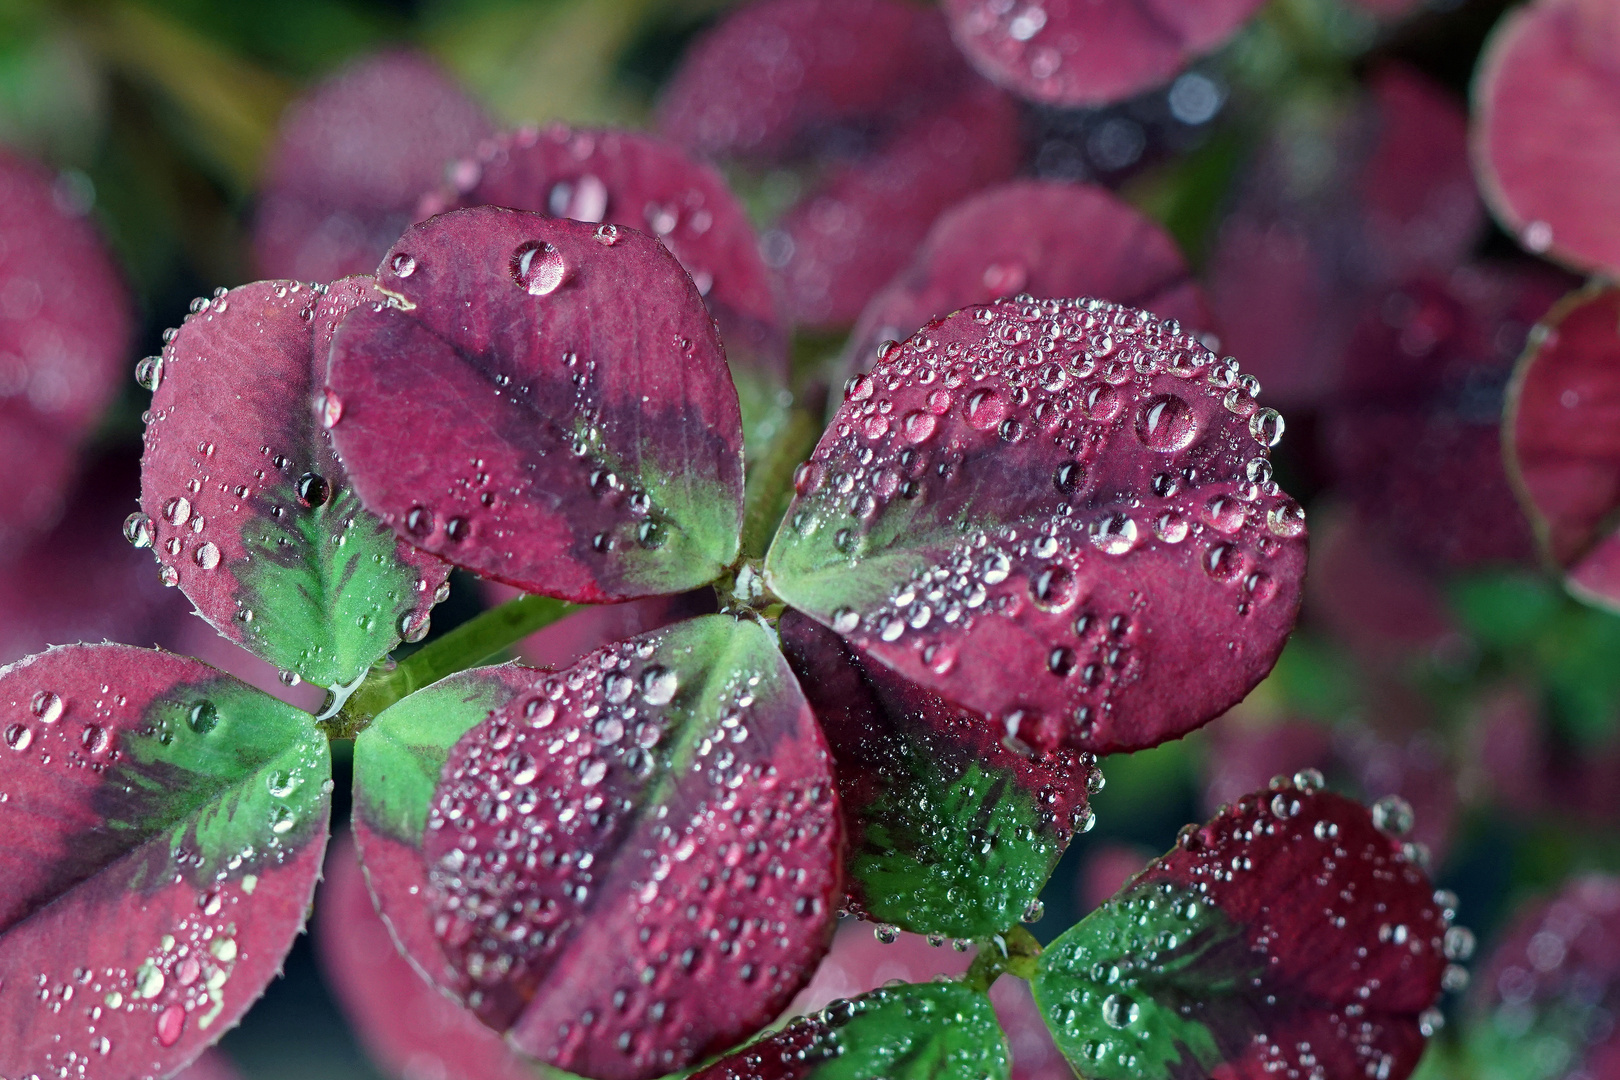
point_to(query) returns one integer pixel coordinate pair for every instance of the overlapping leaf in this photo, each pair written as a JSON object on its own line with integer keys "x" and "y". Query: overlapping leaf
{"x": 1057, "y": 513}
{"x": 951, "y": 832}
{"x": 245, "y": 502}
{"x": 942, "y": 1031}
{"x": 1546, "y": 129}
{"x": 635, "y": 862}
{"x": 165, "y": 825}
{"x": 1082, "y": 52}
{"x": 1562, "y": 437}
{"x": 1044, "y": 238}
{"x": 546, "y": 403}
{"x": 639, "y": 181}
{"x": 1287, "y": 934}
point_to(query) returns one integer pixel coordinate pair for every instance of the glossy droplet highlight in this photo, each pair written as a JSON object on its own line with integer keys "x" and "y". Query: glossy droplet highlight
{"x": 48, "y": 706}
{"x": 1165, "y": 423}
{"x": 537, "y": 268}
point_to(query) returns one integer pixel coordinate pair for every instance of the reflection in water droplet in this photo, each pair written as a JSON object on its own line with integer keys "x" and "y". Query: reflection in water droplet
{"x": 138, "y": 530}
{"x": 48, "y": 706}
{"x": 1165, "y": 423}
{"x": 537, "y": 268}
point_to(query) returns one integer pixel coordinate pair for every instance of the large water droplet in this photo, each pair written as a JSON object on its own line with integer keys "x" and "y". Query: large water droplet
{"x": 538, "y": 268}
{"x": 658, "y": 685}
{"x": 1166, "y": 424}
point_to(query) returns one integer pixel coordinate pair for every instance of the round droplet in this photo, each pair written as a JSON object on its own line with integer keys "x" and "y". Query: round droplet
{"x": 1166, "y": 424}
{"x": 149, "y": 372}
{"x": 207, "y": 556}
{"x": 414, "y": 627}
{"x": 19, "y": 737}
{"x": 1119, "y": 1011}
{"x": 845, "y": 620}
{"x": 138, "y": 530}
{"x": 48, "y": 706}
{"x": 1286, "y": 519}
{"x": 331, "y": 410}
{"x": 1393, "y": 815}
{"x": 1053, "y": 588}
{"x": 985, "y": 409}
{"x": 177, "y": 511}
{"x": 313, "y": 489}
{"x": 202, "y": 717}
{"x": 171, "y": 1023}
{"x": 919, "y": 426}
{"x": 658, "y": 685}
{"x": 1115, "y": 534}
{"x": 403, "y": 265}
{"x": 537, "y": 268}
{"x": 1266, "y": 426}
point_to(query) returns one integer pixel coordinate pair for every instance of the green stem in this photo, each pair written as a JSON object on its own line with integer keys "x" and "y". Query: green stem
{"x": 770, "y": 477}
{"x": 474, "y": 641}
{"x": 1013, "y": 953}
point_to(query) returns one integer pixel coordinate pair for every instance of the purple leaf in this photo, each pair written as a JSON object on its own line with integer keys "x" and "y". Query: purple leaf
{"x": 64, "y": 325}
{"x": 1086, "y": 52}
{"x": 246, "y": 505}
{"x": 662, "y": 817}
{"x": 1040, "y": 237}
{"x": 164, "y": 826}
{"x": 1562, "y": 435}
{"x": 545, "y": 403}
{"x": 626, "y": 178}
{"x": 1546, "y": 130}
{"x": 1057, "y": 513}
{"x": 351, "y": 161}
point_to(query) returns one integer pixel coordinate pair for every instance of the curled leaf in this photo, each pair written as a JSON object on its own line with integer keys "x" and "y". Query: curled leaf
{"x": 1082, "y": 52}
{"x": 545, "y": 403}
{"x": 1562, "y": 438}
{"x": 165, "y": 825}
{"x": 635, "y": 862}
{"x": 951, "y": 832}
{"x": 627, "y": 178}
{"x": 941, "y": 1031}
{"x": 1546, "y": 129}
{"x": 1057, "y": 513}
{"x": 245, "y": 503}
{"x": 1289, "y": 933}
{"x": 1041, "y": 237}
{"x": 351, "y": 160}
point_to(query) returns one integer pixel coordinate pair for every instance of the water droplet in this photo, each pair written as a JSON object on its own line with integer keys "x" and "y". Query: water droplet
{"x": 1266, "y": 426}
{"x": 846, "y": 620}
{"x": 19, "y": 737}
{"x": 93, "y": 738}
{"x": 1115, "y": 534}
{"x": 1393, "y": 815}
{"x": 1119, "y": 1011}
{"x": 149, "y": 373}
{"x": 658, "y": 685}
{"x": 177, "y": 510}
{"x": 1458, "y": 943}
{"x": 138, "y": 530}
{"x": 413, "y": 627}
{"x": 403, "y": 265}
{"x": 537, "y": 268}
{"x": 48, "y": 706}
{"x": 1286, "y": 519}
{"x": 171, "y": 1022}
{"x": 331, "y": 410}
{"x": 207, "y": 556}
{"x": 1166, "y": 424}
{"x": 282, "y": 820}
{"x": 606, "y": 235}
{"x": 313, "y": 489}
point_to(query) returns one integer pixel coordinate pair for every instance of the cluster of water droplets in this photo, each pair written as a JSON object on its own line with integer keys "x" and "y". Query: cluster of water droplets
{"x": 614, "y": 764}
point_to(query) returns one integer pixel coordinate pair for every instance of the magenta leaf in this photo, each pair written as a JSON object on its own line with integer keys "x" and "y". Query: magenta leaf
{"x": 213, "y": 1065}
{"x": 165, "y": 825}
{"x": 777, "y": 78}
{"x": 245, "y": 503}
{"x": 1057, "y": 513}
{"x": 939, "y": 1031}
{"x": 351, "y": 161}
{"x": 1550, "y": 989}
{"x": 1085, "y": 52}
{"x": 65, "y": 326}
{"x": 408, "y": 1028}
{"x": 1546, "y": 130}
{"x": 634, "y": 864}
{"x": 566, "y": 641}
{"x": 860, "y": 961}
{"x": 627, "y": 178}
{"x": 1041, "y": 237}
{"x": 848, "y": 237}
{"x": 545, "y": 403}
{"x": 951, "y": 832}
{"x": 1562, "y": 437}
{"x": 1289, "y": 933}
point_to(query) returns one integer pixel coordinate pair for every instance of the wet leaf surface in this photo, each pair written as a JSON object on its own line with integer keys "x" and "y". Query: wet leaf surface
{"x": 1546, "y": 129}
{"x": 64, "y": 327}
{"x": 642, "y": 182}
{"x": 1562, "y": 438}
{"x": 1059, "y": 514}
{"x": 942, "y": 1031}
{"x": 165, "y": 828}
{"x": 352, "y": 159}
{"x": 635, "y": 863}
{"x": 408, "y": 1028}
{"x": 1041, "y": 237}
{"x": 245, "y": 503}
{"x": 546, "y": 404}
{"x": 1080, "y": 52}
{"x": 1288, "y": 933}
{"x": 951, "y": 832}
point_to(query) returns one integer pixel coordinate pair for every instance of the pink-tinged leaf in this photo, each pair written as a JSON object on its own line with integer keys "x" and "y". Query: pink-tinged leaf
{"x": 859, "y": 962}
{"x": 938, "y": 1031}
{"x": 64, "y": 325}
{"x": 1086, "y": 52}
{"x": 213, "y": 1065}
{"x": 246, "y": 504}
{"x": 1108, "y": 866}
{"x": 778, "y": 78}
{"x": 662, "y": 818}
{"x": 1040, "y": 237}
{"x": 165, "y": 826}
{"x": 626, "y": 178}
{"x": 546, "y": 403}
{"x": 951, "y": 831}
{"x": 1546, "y": 998}
{"x": 1289, "y": 933}
{"x": 1056, "y": 513}
{"x": 408, "y": 1028}
{"x": 1334, "y": 212}
{"x": 1034, "y": 1055}
{"x": 1414, "y": 434}
{"x": 351, "y": 161}
{"x": 1546, "y": 129}
{"x": 397, "y": 763}
{"x": 849, "y": 236}
{"x": 566, "y": 641}
{"x": 1562, "y": 438}
{"x": 81, "y": 581}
